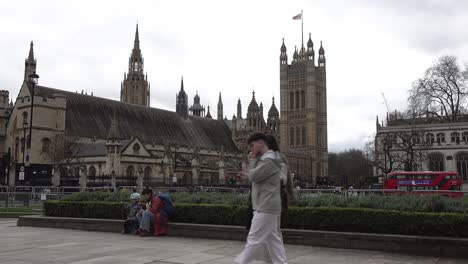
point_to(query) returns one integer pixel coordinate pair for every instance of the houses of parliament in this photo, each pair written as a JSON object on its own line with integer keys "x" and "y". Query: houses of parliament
{"x": 79, "y": 139}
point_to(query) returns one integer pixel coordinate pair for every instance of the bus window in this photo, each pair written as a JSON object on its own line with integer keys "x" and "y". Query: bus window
{"x": 428, "y": 176}
{"x": 401, "y": 177}
{"x": 419, "y": 177}
{"x": 447, "y": 177}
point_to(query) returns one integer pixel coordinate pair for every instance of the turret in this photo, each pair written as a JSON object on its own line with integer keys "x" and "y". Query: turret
{"x": 239, "y": 109}
{"x": 310, "y": 49}
{"x": 29, "y": 63}
{"x": 220, "y": 108}
{"x": 321, "y": 60}
{"x": 283, "y": 55}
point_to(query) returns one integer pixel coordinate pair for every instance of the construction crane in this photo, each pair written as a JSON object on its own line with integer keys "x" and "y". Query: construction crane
{"x": 386, "y": 103}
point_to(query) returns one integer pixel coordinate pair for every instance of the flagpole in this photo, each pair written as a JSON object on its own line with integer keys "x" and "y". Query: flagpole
{"x": 302, "y": 28}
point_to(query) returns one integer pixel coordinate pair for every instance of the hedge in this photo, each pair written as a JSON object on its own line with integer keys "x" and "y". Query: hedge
{"x": 309, "y": 218}
{"x": 408, "y": 203}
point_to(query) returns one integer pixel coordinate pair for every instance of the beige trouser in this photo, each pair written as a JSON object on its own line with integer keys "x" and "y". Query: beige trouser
{"x": 264, "y": 232}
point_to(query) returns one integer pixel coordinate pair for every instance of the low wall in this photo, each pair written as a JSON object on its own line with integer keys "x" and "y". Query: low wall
{"x": 421, "y": 245}
{"x": 16, "y": 214}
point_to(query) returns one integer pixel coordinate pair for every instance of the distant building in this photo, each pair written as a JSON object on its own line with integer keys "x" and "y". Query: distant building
{"x": 444, "y": 145}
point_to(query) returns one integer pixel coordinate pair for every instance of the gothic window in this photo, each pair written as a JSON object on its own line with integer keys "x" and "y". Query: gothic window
{"x": 130, "y": 171}
{"x": 303, "y": 136}
{"x": 147, "y": 175}
{"x": 455, "y": 137}
{"x": 92, "y": 171}
{"x": 45, "y": 145}
{"x": 291, "y": 100}
{"x": 436, "y": 162}
{"x": 291, "y": 136}
{"x": 76, "y": 171}
{"x": 297, "y": 100}
{"x": 136, "y": 149}
{"x": 440, "y": 138}
{"x": 465, "y": 137}
{"x": 298, "y": 135}
{"x": 430, "y": 138}
{"x": 462, "y": 165}
{"x": 25, "y": 117}
{"x": 303, "y": 100}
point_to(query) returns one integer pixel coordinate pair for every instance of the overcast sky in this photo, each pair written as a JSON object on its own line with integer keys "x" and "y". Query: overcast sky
{"x": 372, "y": 47}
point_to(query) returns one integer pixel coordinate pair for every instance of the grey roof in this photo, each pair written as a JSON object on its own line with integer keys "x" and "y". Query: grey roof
{"x": 90, "y": 116}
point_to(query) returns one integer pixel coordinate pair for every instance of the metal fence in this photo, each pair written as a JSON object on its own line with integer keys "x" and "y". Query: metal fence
{"x": 32, "y": 196}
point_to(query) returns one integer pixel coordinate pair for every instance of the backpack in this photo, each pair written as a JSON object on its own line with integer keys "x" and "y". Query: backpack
{"x": 168, "y": 207}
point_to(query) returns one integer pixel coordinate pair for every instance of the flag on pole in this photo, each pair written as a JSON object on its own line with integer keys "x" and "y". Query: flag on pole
{"x": 297, "y": 17}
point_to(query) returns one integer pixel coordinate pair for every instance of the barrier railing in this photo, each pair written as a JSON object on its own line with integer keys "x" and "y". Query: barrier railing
{"x": 20, "y": 196}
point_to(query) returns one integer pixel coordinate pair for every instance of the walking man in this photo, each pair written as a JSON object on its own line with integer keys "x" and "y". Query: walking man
{"x": 264, "y": 175}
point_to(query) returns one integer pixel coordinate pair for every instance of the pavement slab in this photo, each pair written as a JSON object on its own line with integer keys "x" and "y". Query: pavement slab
{"x": 21, "y": 245}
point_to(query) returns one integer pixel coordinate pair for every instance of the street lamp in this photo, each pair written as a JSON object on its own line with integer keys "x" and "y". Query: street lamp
{"x": 25, "y": 126}
{"x": 33, "y": 80}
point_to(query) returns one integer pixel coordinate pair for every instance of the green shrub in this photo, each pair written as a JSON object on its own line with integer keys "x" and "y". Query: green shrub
{"x": 98, "y": 197}
{"x": 407, "y": 203}
{"x": 309, "y": 218}
{"x": 103, "y": 210}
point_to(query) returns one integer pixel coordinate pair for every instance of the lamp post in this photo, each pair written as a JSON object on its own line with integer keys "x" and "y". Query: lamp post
{"x": 22, "y": 172}
{"x": 33, "y": 80}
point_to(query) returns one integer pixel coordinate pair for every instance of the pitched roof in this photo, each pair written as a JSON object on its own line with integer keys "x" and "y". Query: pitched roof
{"x": 90, "y": 116}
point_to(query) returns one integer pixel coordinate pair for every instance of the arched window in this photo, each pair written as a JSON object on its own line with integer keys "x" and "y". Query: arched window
{"x": 130, "y": 171}
{"x": 92, "y": 171}
{"x": 436, "y": 162}
{"x": 303, "y": 100}
{"x": 297, "y": 100}
{"x": 416, "y": 139}
{"x": 291, "y": 136}
{"x": 298, "y": 135}
{"x": 440, "y": 138}
{"x": 45, "y": 145}
{"x": 136, "y": 149}
{"x": 455, "y": 137}
{"x": 465, "y": 137}
{"x": 303, "y": 135}
{"x": 25, "y": 117}
{"x": 430, "y": 138}
{"x": 462, "y": 165}
{"x": 76, "y": 171}
{"x": 147, "y": 175}
{"x": 291, "y": 100}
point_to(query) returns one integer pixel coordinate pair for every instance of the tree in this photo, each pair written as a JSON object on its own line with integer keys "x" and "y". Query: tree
{"x": 441, "y": 92}
{"x": 401, "y": 149}
{"x": 64, "y": 153}
{"x": 351, "y": 167}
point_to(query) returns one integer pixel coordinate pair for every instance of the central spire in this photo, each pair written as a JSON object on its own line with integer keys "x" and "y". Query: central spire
{"x": 137, "y": 39}
{"x": 31, "y": 52}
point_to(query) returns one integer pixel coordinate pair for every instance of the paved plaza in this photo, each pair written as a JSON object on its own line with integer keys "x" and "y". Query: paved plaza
{"x": 20, "y": 245}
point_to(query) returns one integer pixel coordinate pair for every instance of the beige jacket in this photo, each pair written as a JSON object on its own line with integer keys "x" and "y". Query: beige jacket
{"x": 264, "y": 174}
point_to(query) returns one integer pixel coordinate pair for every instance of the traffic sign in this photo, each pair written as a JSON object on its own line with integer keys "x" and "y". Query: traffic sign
{"x": 22, "y": 168}
{"x": 21, "y": 176}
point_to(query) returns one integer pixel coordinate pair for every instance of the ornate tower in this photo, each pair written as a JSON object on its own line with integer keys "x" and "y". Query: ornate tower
{"x": 29, "y": 63}
{"x": 197, "y": 109}
{"x": 239, "y": 109}
{"x": 255, "y": 121}
{"x": 135, "y": 88}
{"x": 303, "y": 129}
{"x": 182, "y": 101}
{"x": 208, "y": 114}
{"x": 273, "y": 120}
{"x": 220, "y": 108}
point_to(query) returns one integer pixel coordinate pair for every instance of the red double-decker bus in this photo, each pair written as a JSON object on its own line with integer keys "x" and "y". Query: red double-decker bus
{"x": 447, "y": 183}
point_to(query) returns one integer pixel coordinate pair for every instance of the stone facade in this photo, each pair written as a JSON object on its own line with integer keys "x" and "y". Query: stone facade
{"x": 85, "y": 140}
